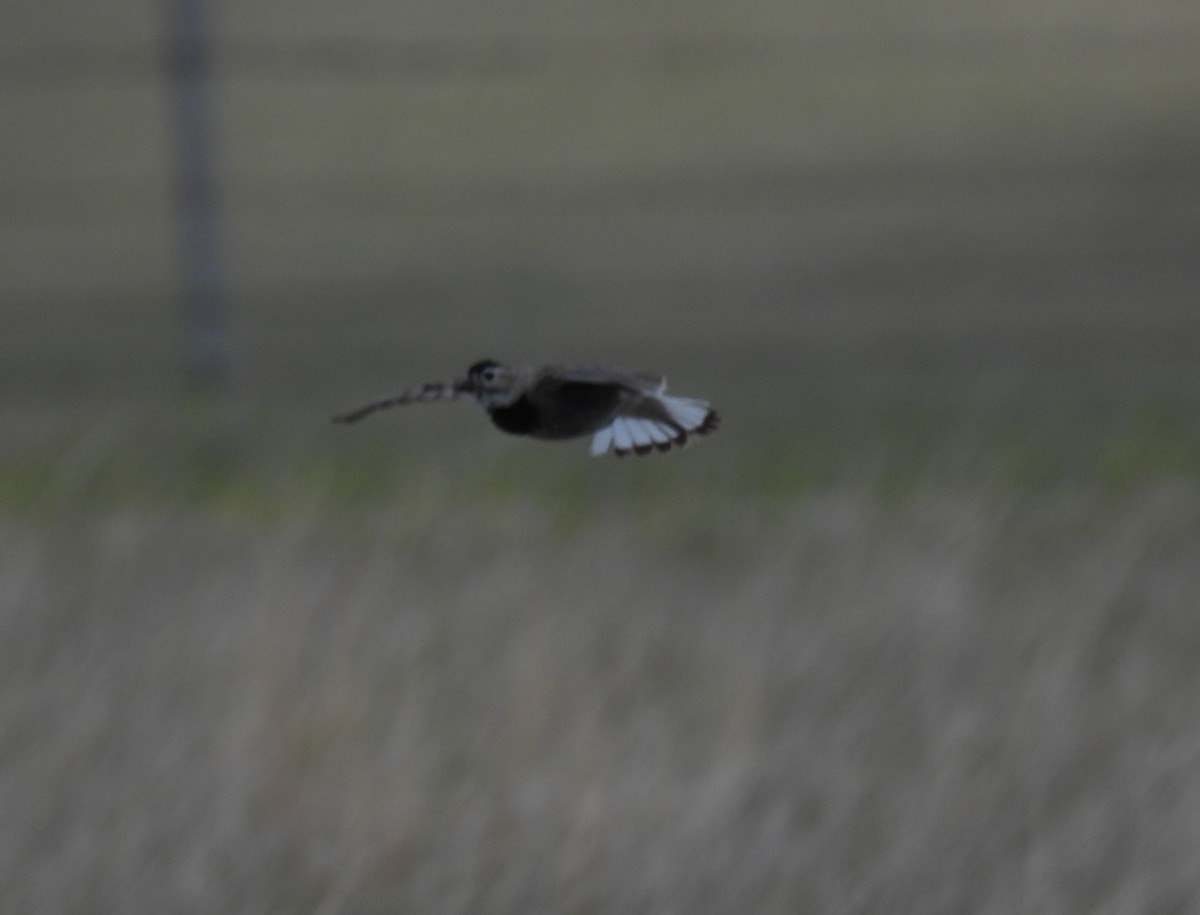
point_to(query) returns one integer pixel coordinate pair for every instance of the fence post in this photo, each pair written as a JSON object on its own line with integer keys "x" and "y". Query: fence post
{"x": 189, "y": 69}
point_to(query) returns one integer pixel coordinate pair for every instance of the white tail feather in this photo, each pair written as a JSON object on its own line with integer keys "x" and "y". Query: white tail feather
{"x": 690, "y": 414}
{"x": 660, "y": 433}
{"x": 602, "y": 440}
{"x": 639, "y": 431}
{"x": 621, "y": 437}
{"x": 628, "y": 434}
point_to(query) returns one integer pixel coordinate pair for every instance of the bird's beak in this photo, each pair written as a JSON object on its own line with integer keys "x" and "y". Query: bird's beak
{"x": 464, "y": 387}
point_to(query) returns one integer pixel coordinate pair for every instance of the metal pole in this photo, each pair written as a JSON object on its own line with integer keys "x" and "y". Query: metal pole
{"x": 188, "y": 61}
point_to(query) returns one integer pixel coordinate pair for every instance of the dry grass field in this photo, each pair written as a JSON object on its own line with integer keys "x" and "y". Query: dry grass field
{"x": 496, "y": 685}
{"x": 917, "y": 631}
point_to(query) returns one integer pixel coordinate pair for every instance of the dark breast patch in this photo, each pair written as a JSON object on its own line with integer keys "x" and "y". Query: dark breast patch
{"x": 519, "y": 418}
{"x": 573, "y": 408}
{"x": 561, "y": 409}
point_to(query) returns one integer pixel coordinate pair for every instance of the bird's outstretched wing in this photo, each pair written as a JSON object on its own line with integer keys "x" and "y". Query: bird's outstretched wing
{"x": 655, "y": 422}
{"x": 435, "y": 390}
{"x": 644, "y": 418}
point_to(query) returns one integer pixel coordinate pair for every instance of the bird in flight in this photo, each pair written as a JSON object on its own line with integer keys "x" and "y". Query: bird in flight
{"x": 631, "y": 413}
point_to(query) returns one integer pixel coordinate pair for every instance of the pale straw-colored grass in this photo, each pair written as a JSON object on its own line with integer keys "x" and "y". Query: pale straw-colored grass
{"x": 962, "y": 702}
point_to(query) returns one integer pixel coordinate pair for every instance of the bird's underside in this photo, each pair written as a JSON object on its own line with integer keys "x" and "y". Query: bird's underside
{"x": 627, "y": 413}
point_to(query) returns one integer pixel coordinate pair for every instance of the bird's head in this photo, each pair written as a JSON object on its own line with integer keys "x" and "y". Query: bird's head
{"x": 491, "y": 384}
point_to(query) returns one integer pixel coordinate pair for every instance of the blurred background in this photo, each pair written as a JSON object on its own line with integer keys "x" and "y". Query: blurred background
{"x": 915, "y": 631}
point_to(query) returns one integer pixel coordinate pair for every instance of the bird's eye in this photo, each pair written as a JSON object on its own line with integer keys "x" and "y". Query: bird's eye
{"x": 489, "y": 375}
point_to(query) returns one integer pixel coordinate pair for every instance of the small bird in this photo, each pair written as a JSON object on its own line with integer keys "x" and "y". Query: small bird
{"x": 630, "y": 413}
